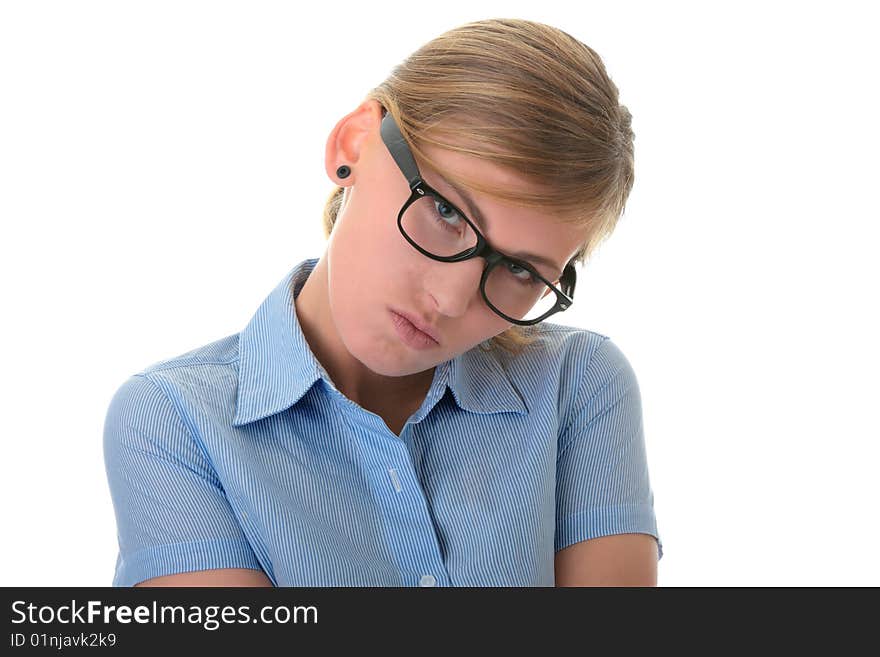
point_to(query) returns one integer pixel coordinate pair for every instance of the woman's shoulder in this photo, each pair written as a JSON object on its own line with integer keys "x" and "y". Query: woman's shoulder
{"x": 219, "y": 352}
{"x": 550, "y": 333}
{"x": 554, "y": 346}
{"x": 566, "y": 363}
{"x": 199, "y": 372}
{"x": 577, "y": 352}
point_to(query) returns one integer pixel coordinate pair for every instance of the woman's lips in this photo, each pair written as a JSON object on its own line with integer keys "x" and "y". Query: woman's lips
{"x": 410, "y": 333}
{"x": 422, "y": 325}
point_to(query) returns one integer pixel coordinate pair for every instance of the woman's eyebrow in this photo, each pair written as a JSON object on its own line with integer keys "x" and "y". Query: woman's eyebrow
{"x": 474, "y": 211}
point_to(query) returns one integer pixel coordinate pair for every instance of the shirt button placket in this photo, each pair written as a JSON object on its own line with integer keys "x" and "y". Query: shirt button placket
{"x": 395, "y": 480}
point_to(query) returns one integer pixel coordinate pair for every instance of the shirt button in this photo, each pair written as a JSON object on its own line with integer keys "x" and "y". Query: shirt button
{"x": 427, "y": 580}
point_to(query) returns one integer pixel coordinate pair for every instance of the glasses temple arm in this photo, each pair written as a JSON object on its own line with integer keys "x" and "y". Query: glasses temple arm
{"x": 399, "y": 150}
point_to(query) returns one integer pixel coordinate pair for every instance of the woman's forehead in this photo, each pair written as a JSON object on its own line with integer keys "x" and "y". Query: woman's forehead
{"x": 472, "y": 171}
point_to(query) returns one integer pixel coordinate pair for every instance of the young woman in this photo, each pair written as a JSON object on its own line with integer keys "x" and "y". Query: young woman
{"x": 399, "y": 412}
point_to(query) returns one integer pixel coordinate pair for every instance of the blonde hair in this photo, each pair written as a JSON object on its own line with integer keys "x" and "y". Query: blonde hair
{"x": 524, "y": 96}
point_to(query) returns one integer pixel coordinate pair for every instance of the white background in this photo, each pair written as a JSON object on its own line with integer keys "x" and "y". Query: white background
{"x": 162, "y": 168}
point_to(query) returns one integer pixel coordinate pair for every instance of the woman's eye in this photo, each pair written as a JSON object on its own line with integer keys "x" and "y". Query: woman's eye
{"x": 448, "y": 218}
{"x": 446, "y": 211}
{"x": 521, "y": 273}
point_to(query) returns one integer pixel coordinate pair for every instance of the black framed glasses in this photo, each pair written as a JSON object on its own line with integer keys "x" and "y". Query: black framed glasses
{"x": 515, "y": 289}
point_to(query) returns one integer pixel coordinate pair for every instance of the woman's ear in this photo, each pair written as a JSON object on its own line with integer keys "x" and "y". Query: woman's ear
{"x": 346, "y": 142}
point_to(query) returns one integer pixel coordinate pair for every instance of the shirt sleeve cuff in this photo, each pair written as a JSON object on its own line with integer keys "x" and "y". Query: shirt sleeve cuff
{"x": 625, "y": 519}
{"x": 171, "y": 559}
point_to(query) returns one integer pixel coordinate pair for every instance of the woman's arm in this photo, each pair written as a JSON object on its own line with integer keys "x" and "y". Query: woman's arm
{"x": 606, "y": 531}
{"x": 215, "y": 577}
{"x": 616, "y": 560}
{"x": 174, "y": 521}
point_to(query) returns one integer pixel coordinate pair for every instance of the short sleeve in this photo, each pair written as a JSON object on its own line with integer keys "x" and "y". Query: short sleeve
{"x": 172, "y": 515}
{"x": 602, "y": 482}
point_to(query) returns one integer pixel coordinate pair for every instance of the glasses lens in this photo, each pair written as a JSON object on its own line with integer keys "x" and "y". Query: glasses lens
{"x": 517, "y": 292}
{"x": 437, "y": 227}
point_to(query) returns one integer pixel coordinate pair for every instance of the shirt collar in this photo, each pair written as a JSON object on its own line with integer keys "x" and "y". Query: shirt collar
{"x": 277, "y": 366}
{"x": 480, "y": 384}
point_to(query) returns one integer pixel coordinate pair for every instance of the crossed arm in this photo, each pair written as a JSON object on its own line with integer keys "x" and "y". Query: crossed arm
{"x": 616, "y": 560}
{"x": 216, "y": 577}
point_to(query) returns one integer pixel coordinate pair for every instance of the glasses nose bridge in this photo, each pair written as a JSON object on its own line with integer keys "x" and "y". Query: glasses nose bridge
{"x": 487, "y": 253}
{"x": 490, "y": 257}
{"x": 455, "y": 291}
{"x": 482, "y": 268}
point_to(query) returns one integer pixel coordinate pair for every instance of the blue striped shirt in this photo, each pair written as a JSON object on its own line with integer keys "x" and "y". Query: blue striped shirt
{"x": 242, "y": 454}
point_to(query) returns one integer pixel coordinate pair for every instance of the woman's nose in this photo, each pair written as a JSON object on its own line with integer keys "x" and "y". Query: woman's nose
{"x": 455, "y": 285}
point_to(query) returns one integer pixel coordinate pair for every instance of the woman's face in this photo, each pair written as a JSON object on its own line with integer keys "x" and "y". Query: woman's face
{"x": 374, "y": 273}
